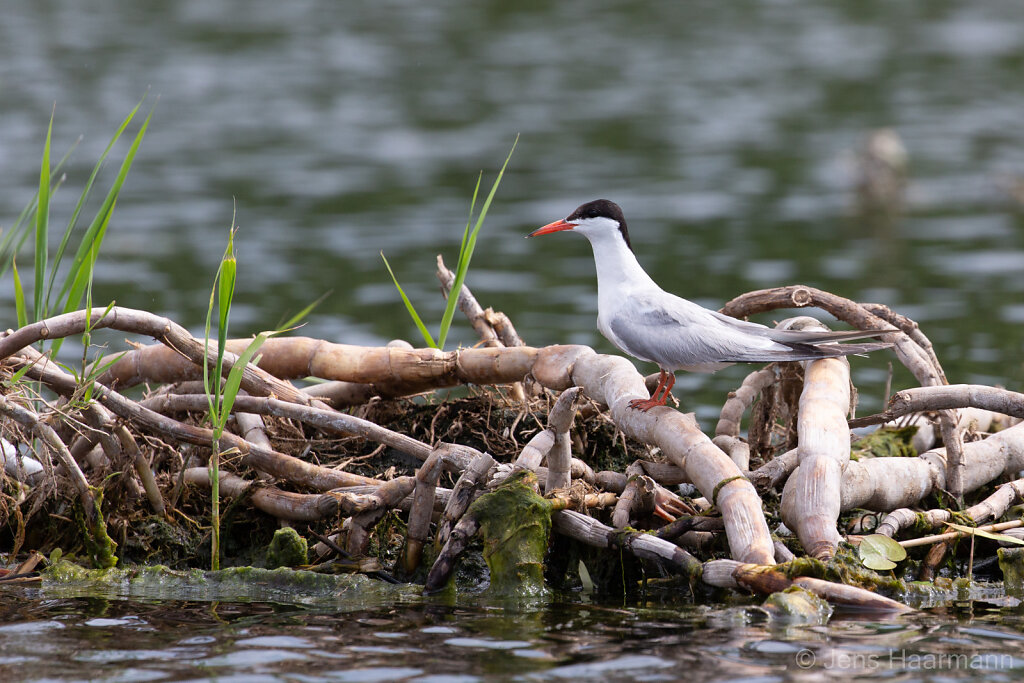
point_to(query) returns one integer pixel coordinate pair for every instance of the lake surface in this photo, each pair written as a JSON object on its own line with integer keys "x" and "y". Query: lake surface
{"x": 59, "y": 634}
{"x": 727, "y": 131}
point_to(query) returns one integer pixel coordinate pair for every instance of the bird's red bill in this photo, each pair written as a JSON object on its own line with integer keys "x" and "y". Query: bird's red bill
{"x": 552, "y": 227}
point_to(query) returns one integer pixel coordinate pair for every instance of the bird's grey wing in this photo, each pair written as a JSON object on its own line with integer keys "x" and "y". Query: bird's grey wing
{"x": 676, "y": 333}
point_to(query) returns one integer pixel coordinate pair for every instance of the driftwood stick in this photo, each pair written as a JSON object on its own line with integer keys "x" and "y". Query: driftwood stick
{"x": 923, "y": 399}
{"x": 996, "y": 505}
{"x": 992, "y": 507}
{"x": 389, "y": 495}
{"x": 741, "y": 399}
{"x": 767, "y": 580}
{"x": 636, "y": 499}
{"x": 727, "y": 431}
{"x": 403, "y": 371}
{"x": 911, "y": 329}
{"x": 293, "y": 507}
{"x": 422, "y": 510}
{"x": 142, "y": 469}
{"x": 645, "y": 546}
{"x": 913, "y": 356}
{"x": 468, "y": 485}
{"x": 884, "y": 484}
{"x": 811, "y": 497}
{"x": 590, "y": 500}
{"x": 772, "y": 473}
{"x": 169, "y": 333}
{"x": 45, "y": 433}
{"x": 101, "y": 423}
{"x": 674, "y": 530}
{"x": 324, "y": 418}
{"x": 535, "y": 449}
{"x": 560, "y": 456}
{"x": 614, "y": 381}
{"x": 457, "y": 542}
{"x": 252, "y": 428}
{"x": 278, "y": 464}
{"x": 490, "y": 325}
{"x": 937, "y": 538}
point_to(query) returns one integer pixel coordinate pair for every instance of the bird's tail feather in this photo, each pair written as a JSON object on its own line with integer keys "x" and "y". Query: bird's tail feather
{"x": 800, "y": 352}
{"x": 816, "y": 337}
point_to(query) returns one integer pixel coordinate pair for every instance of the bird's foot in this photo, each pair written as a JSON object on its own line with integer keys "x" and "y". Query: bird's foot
{"x": 645, "y": 404}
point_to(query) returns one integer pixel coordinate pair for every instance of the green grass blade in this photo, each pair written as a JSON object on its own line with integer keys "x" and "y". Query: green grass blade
{"x": 466, "y": 254}
{"x": 234, "y": 381}
{"x": 293, "y": 322}
{"x": 472, "y": 205}
{"x": 14, "y": 238}
{"x": 409, "y": 307}
{"x": 81, "y": 280}
{"x": 42, "y": 226}
{"x": 20, "y": 304}
{"x": 212, "y": 391}
{"x": 96, "y": 230}
{"x": 73, "y": 222}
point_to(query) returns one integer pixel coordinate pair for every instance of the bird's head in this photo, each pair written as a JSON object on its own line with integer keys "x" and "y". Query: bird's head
{"x": 597, "y": 218}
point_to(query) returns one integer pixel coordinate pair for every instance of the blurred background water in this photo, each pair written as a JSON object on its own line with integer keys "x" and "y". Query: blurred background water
{"x": 727, "y": 131}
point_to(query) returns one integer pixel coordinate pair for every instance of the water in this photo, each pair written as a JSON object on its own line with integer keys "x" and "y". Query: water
{"x": 57, "y": 635}
{"x": 337, "y": 130}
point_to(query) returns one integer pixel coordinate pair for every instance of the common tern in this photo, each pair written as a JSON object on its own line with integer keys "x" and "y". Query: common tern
{"x": 650, "y": 324}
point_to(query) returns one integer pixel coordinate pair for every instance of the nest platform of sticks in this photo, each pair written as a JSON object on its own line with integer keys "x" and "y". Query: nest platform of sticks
{"x": 540, "y": 462}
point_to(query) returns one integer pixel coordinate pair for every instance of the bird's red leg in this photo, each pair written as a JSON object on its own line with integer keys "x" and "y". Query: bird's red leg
{"x": 665, "y": 382}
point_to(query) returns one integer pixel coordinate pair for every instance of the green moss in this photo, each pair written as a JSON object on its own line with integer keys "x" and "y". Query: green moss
{"x": 287, "y": 549}
{"x": 1011, "y": 562}
{"x": 98, "y": 542}
{"x": 234, "y": 584}
{"x": 515, "y": 524}
{"x": 846, "y": 568}
{"x": 796, "y": 605}
{"x": 886, "y": 442}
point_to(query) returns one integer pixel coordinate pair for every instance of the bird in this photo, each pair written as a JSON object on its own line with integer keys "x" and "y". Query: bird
{"x": 646, "y": 322}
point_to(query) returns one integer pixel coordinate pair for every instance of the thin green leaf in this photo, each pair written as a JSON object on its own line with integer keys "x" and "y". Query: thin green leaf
{"x": 409, "y": 307}
{"x": 20, "y": 305}
{"x": 81, "y": 279}
{"x": 16, "y": 377}
{"x": 96, "y": 230}
{"x": 467, "y": 253}
{"x": 293, "y": 322}
{"x": 990, "y": 535}
{"x": 73, "y": 222}
{"x": 469, "y": 221}
{"x": 235, "y": 376}
{"x": 14, "y": 238}
{"x": 42, "y": 226}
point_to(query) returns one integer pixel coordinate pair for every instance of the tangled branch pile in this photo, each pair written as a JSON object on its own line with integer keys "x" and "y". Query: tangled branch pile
{"x": 111, "y": 473}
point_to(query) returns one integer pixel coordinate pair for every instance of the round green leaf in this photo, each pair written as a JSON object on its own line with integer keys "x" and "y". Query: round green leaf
{"x": 880, "y": 552}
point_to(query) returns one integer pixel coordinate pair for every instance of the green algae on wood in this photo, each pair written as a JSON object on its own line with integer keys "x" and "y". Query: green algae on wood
{"x": 98, "y": 542}
{"x": 515, "y": 525}
{"x": 287, "y": 549}
{"x": 886, "y": 442}
{"x": 795, "y": 605}
{"x": 1011, "y": 562}
{"x": 238, "y": 584}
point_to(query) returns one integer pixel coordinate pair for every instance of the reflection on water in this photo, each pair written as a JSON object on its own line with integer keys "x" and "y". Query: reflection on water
{"x": 46, "y": 637}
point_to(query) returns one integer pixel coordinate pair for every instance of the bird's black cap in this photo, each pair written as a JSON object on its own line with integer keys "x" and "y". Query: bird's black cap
{"x": 602, "y": 208}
